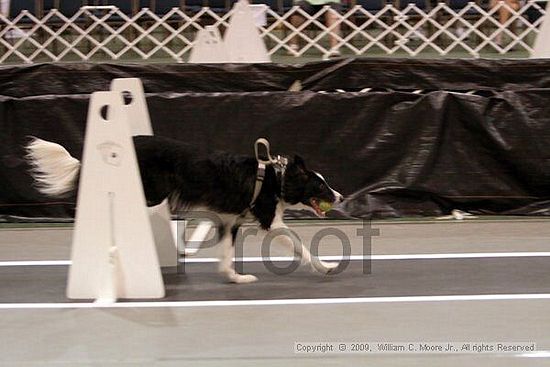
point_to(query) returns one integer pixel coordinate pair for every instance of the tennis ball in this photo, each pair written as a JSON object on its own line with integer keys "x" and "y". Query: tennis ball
{"x": 325, "y": 206}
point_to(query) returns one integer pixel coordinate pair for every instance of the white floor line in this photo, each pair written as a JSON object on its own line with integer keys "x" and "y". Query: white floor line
{"x": 35, "y": 263}
{"x": 474, "y": 255}
{"x": 278, "y": 302}
{"x": 192, "y": 260}
{"x": 538, "y": 354}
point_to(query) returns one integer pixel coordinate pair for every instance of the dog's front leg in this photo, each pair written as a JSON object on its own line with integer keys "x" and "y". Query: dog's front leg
{"x": 226, "y": 261}
{"x": 297, "y": 247}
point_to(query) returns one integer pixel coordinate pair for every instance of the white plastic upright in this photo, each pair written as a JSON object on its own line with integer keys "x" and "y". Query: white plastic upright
{"x": 208, "y": 47}
{"x": 138, "y": 113}
{"x": 193, "y": 245}
{"x": 113, "y": 252}
{"x": 541, "y": 48}
{"x": 242, "y": 39}
{"x": 140, "y": 124}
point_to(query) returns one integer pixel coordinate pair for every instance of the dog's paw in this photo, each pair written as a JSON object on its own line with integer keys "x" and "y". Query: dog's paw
{"x": 329, "y": 267}
{"x": 323, "y": 267}
{"x": 243, "y": 278}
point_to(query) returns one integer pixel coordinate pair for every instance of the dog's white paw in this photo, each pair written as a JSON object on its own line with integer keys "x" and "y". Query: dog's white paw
{"x": 323, "y": 267}
{"x": 243, "y": 278}
{"x": 328, "y": 267}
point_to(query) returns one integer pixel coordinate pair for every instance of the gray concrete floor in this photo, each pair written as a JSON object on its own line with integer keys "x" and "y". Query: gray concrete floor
{"x": 252, "y": 335}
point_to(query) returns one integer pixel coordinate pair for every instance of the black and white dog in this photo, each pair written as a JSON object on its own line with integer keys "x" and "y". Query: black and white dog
{"x": 220, "y": 182}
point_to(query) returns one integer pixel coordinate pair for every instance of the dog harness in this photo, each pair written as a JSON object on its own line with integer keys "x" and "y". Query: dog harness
{"x": 279, "y": 164}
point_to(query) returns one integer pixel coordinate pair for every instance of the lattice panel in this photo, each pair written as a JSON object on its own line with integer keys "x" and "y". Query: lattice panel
{"x": 107, "y": 33}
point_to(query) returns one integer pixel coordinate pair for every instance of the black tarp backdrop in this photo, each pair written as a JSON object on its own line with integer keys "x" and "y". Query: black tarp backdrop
{"x": 393, "y": 150}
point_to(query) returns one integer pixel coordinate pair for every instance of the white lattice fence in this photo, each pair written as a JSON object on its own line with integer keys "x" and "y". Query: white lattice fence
{"x": 100, "y": 33}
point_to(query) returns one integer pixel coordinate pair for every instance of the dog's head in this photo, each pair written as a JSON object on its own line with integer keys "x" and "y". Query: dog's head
{"x": 309, "y": 188}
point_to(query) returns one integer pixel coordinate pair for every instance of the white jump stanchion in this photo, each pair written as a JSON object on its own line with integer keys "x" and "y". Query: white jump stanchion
{"x": 193, "y": 245}
{"x": 209, "y": 47}
{"x": 259, "y": 13}
{"x": 136, "y": 109}
{"x": 541, "y": 48}
{"x": 167, "y": 234}
{"x": 140, "y": 124}
{"x": 161, "y": 221}
{"x": 178, "y": 234}
{"x": 242, "y": 38}
{"x": 113, "y": 252}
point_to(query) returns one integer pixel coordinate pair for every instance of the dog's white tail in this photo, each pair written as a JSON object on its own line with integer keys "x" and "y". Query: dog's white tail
{"x": 53, "y": 168}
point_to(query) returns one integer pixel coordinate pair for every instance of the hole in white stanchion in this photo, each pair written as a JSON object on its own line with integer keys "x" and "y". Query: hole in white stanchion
{"x": 128, "y": 98}
{"x": 104, "y": 112}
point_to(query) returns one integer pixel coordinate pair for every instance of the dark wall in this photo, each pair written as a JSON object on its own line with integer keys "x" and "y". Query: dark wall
{"x": 475, "y": 137}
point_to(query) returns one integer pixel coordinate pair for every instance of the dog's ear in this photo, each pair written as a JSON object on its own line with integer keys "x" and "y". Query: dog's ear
{"x": 299, "y": 162}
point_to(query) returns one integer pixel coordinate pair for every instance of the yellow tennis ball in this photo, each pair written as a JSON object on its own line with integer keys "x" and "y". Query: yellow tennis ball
{"x": 325, "y": 206}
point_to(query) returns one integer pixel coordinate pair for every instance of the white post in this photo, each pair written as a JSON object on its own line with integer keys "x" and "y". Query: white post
{"x": 140, "y": 124}
{"x": 113, "y": 252}
{"x": 541, "y": 48}
{"x": 193, "y": 245}
{"x": 242, "y": 38}
{"x": 208, "y": 47}
{"x": 166, "y": 233}
{"x": 138, "y": 114}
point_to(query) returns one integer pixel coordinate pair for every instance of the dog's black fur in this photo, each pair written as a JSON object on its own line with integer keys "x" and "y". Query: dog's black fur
{"x": 221, "y": 182}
